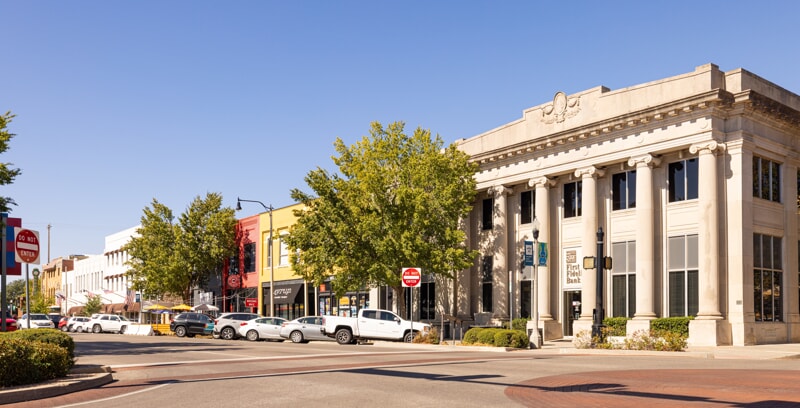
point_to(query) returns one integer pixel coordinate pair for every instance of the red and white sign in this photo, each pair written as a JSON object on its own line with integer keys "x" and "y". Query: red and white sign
{"x": 26, "y": 243}
{"x": 412, "y": 277}
{"x": 251, "y": 302}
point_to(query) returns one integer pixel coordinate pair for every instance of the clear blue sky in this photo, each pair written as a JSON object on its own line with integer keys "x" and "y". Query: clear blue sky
{"x": 119, "y": 103}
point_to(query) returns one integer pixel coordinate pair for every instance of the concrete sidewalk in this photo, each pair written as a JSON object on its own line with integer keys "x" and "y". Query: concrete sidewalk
{"x": 81, "y": 377}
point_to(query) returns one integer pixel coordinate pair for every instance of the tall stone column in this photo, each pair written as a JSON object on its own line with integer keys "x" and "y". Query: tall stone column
{"x": 500, "y": 244}
{"x": 542, "y": 208}
{"x": 645, "y": 259}
{"x": 709, "y": 329}
{"x": 589, "y": 242}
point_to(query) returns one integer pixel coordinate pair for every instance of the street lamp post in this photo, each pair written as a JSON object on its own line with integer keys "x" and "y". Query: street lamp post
{"x": 269, "y": 251}
{"x": 535, "y": 340}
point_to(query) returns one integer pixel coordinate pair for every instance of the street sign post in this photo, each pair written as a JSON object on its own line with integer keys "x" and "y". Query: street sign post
{"x": 412, "y": 278}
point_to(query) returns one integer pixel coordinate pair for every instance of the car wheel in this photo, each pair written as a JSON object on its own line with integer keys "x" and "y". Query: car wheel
{"x": 97, "y": 329}
{"x": 296, "y": 336}
{"x": 409, "y": 337}
{"x": 122, "y": 329}
{"x": 180, "y": 331}
{"x": 344, "y": 336}
{"x": 252, "y": 335}
{"x": 227, "y": 333}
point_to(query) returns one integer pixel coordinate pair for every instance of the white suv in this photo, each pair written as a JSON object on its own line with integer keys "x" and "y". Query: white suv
{"x": 107, "y": 323}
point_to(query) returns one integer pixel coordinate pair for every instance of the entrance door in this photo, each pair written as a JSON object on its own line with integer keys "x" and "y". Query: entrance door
{"x": 572, "y": 310}
{"x": 525, "y": 299}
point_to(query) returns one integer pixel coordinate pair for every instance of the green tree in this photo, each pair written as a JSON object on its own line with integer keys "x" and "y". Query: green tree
{"x": 169, "y": 257}
{"x": 7, "y": 173}
{"x": 397, "y": 203}
{"x": 94, "y": 303}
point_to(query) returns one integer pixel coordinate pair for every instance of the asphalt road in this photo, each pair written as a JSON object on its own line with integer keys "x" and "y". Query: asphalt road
{"x": 166, "y": 371}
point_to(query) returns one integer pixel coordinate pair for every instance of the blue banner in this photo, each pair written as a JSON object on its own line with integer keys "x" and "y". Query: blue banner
{"x": 528, "y": 259}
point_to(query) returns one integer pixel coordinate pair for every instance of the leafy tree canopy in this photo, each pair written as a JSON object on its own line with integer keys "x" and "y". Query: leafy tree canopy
{"x": 7, "y": 172}
{"x": 94, "y": 303}
{"x": 397, "y": 203}
{"x": 169, "y": 257}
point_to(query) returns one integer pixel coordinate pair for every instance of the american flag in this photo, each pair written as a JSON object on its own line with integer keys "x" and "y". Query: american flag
{"x": 130, "y": 298}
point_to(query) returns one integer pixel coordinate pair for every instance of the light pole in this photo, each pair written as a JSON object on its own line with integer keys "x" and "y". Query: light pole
{"x": 269, "y": 251}
{"x": 535, "y": 340}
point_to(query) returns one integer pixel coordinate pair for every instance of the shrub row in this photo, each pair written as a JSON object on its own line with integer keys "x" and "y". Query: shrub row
{"x": 32, "y": 356}
{"x": 497, "y": 337}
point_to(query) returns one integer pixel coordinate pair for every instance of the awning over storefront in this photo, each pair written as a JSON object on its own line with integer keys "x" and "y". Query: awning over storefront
{"x": 75, "y": 311}
{"x": 286, "y": 294}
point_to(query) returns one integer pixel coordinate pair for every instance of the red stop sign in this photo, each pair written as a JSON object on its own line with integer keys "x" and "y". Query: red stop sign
{"x": 412, "y": 277}
{"x": 27, "y": 246}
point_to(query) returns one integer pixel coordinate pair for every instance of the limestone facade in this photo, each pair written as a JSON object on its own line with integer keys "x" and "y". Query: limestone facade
{"x": 693, "y": 181}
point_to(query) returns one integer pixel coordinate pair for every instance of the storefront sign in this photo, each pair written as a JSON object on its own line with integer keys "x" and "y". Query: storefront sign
{"x": 571, "y": 272}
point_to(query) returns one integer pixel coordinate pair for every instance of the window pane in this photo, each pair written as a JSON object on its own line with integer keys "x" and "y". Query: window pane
{"x": 631, "y": 256}
{"x": 632, "y": 189}
{"x": 618, "y": 191}
{"x": 758, "y": 306}
{"x": 631, "y": 295}
{"x": 570, "y": 200}
{"x": 676, "y": 182}
{"x": 757, "y": 251}
{"x": 488, "y": 205}
{"x": 692, "y": 248}
{"x": 693, "y": 293}
{"x": 757, "y": 177}
{"x": 764, "y": 172}
{"x": 766, "y": 252}
{"x": 775, "y": 185}
{"x": 618, "y": 253}
{"x": 777, "y": 253}
{"x": 766, "y": 281}
{"x": 676, "y": 294}
{"x": 676, "y": 253}
{"x": 526, "y": 207}
{"x": 487, "y": 297}
{"x": 691, "y": 178}
{"x": 486, "y": 268}
{"x": 619, "y": 295}
{"x": 777, "y": 285}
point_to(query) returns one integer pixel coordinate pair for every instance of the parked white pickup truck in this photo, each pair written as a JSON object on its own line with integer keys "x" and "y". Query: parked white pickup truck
{"x": 371, "y": 324}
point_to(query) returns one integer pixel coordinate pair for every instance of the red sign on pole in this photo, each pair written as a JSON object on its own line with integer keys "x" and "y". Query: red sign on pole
{"x": 27, "y": 245}
{"x": 251, "y": 302}
{"x": 412, "y": 277}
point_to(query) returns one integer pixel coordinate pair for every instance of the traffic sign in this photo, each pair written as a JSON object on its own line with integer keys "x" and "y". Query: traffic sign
{"x": 27, "y": 245}
{"x": 412, "y": 277}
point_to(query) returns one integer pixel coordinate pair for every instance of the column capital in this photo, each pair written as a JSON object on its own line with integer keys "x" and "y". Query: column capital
{"x": 590, "y": 171}
{"x": 541, "y": 182}
{"x": 498, "y": 191}
{"x": 644, "y": 160}
{"x": 706, "y": 147}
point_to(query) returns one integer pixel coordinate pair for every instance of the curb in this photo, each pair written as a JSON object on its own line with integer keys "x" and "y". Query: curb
{"x": 79, "y": 378}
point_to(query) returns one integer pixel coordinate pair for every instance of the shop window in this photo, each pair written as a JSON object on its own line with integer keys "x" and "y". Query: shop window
{"x": 767, "y": 278}
{"x": 250, "y": 257}
{"x": 683, "y": 275}
{"x": 623, "y": 279}
{"x": 683, "y": 180}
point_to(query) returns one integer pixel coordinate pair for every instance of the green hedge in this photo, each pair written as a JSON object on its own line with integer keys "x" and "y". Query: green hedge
{"x": 675, "y": 325}
{"x": 29, "y": 362}
{"x": 498, "y": 337}
{"x": 616, "y": 326}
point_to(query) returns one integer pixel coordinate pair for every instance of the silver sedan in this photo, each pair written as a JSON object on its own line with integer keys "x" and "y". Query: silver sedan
{"x": 262, "y": 328}
{"x": 304, "y": 329}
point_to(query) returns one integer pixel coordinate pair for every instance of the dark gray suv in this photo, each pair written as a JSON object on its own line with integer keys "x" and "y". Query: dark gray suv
{"x": 226, "y": 326}
{"x": 189, "y": 324}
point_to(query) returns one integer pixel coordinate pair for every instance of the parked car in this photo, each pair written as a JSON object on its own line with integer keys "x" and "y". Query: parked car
{"x": 11, "y": 323}
{"x": 38, "y": 321}
{"x": 102, "y": 323}
{"x": 55, "y": 318}
{"x": 191, "y": 324}
{"x": 75, "y": 323}
{"x": 262, "y": 328}
{"x": 372, "y": 324}
{"x": 304, "y": 329}
{"x": 62, "y": 323}
{"x": 226, "y": 326}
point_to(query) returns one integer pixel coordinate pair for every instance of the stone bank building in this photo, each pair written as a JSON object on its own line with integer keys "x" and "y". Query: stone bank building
{"x": 694, "y": 181}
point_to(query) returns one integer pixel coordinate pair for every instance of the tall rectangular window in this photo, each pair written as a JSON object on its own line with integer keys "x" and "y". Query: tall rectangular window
{"x": 683, "y": 276}
{"x": 283, "y": 255}
{"x": 486, "y": 283}
{"x": 250, "y": 257}
{"x": 683, "y": 180}
{"x": 427, "y": 299}
{"x": 572, "y": 199}
{"x": 487, "y": 214}
{"x": 766, "y": 179}
{"x": 623, "y": 190}
{"x": 767, "y": 278}
{"x": 623, "y": 279}
{"x": 527, "y": 202}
